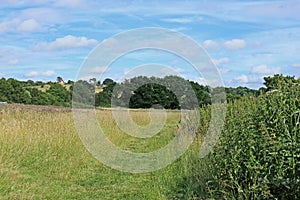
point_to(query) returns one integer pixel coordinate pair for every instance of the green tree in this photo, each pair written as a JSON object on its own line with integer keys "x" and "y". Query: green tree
{"x": 59, "y": 79}
{"x": 104, "y": 98}
{"x": 83, "y": 93}
{"x": 278, "y": 79}
{"x": 108, "y": 81}
{"x": 61, "y": 94}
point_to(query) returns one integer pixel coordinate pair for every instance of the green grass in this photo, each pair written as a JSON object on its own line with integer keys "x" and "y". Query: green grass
{"x": 256, "y": 157}
{"x": 42, "y": 157}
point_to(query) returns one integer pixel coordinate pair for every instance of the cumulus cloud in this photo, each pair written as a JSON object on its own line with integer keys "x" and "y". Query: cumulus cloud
{"x": 17, "y": 25}
{"x": 221, "y": 61}
{"x": 99, "y": 70}
{"x": 28, "y": 25}
{"x": 33, "y": 74}
{"x": 263, "y": 69}
{"x": 67, "y": 42}
{"x": 210, "y": 44}
{"x": 242, "y": 79}
{"x": 235, "y": 44}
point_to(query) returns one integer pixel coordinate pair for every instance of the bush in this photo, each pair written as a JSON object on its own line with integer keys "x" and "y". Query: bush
{"x": 258, "y": 154}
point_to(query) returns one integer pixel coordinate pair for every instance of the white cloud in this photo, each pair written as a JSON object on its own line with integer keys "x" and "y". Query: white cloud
{"x": 48, "y": 16}
{"x": 48, "y": 73}
{"x": 33, "y": 74}
{"x": 210, "y": 44}
{"x": 70, "y": 3}
{"x": 242, "y": 79}
{"x": 13, "y": 62}
{"x": 296, "y": 65}
{"x": 171, "y": 71}
{"x": 221, "y": 61}
{"x": 202, "y": 81}
{"x": 67, "y": 42}
{"x": 17, "y": 25}
{"x": 8, "y": 26}
{"x": 99, "y": 70}
{"x": 263, "y": 69}
{"x": 28, "y": 25}
{"x": 235, "y": 44}
{"x": 224, "y": 71}
{"x": 183, "y": 20}
{"x": 16, "y": 3}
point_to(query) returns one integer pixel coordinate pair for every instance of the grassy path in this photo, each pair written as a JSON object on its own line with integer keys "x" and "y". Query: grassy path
{"x": 42, "y": 157}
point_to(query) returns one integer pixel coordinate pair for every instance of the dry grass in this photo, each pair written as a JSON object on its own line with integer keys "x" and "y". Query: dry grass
{"x": 42, "y": 157}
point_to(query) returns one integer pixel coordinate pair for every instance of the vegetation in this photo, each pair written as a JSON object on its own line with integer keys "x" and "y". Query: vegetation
{"x": 257, "y": 155}
{"x": 42, "y": 157}
{"x": 144, "y": 92}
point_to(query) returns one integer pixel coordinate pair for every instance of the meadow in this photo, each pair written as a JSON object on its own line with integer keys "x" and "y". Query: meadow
{"x": 42, "y": 157}
{"x": 256, "y": 157}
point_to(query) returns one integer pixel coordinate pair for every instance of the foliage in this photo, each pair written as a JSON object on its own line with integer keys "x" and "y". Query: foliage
{"x": 108, "y": 81}
{"x": 103, "y": 98}
{"x": 258, "y": 155}
{"x": 153, "y": 94}
{"x": 171, "y": 92}
{"x": 14, "y": 91}
{"x": 61, "y": 94}
{"x": 239, "y": 92}
{"x": 277, "y": 81}
{"x": 83, "y": 93}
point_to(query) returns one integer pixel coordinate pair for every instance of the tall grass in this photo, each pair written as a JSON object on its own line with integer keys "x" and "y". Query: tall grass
{"x": 256, "y": 157}
{"x": 42, "y": 157}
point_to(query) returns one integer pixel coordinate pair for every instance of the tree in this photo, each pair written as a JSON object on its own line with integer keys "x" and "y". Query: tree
{"x": 61, "y": 94}
{"x": 70, "y": 82}
{"x": 278, "y": 79}
{"x": 104, "y": 98}
{"x": 152, "y": 94}
{"x": 83, "y": 93}
{"x": 93, "y": 81}
{"x": 59, "y": 79}
{"x": 108, "y": 81}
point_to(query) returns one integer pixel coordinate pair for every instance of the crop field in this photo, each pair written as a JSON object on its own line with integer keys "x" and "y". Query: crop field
{"x": 256, "y": 157}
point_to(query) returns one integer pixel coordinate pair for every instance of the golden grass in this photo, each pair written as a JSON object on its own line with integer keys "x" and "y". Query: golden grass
{"x": 41, "y": 156}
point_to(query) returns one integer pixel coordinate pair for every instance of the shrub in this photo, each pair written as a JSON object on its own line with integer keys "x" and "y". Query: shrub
{"x": 258, "y": 154}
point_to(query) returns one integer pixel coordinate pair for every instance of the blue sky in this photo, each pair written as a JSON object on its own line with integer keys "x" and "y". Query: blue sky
{"x": 247, "y": 40}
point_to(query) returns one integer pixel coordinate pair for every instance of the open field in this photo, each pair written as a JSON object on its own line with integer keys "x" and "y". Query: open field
{"x": 43, "y": 157}
{"x": 257, "y": 155}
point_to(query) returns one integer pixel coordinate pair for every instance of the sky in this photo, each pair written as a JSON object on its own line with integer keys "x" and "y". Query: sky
{"x": 246, "y": 40}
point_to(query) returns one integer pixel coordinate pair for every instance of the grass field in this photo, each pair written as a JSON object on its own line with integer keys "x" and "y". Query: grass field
{"x": 42, "y": 157}
{"x": 257, "y": 155}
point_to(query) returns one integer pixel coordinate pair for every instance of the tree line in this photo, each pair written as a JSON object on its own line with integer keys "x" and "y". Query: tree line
{"x": 170, "y": 92}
